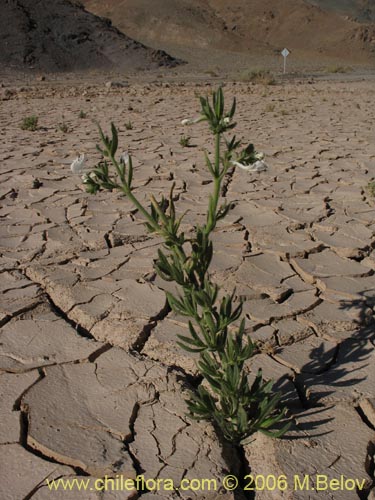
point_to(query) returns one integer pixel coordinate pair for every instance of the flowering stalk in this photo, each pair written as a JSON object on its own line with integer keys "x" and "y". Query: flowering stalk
{"x": 236, "y": 407}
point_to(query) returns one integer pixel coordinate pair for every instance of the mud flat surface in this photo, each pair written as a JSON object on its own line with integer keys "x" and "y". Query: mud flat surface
{"x": 91, "y": 379}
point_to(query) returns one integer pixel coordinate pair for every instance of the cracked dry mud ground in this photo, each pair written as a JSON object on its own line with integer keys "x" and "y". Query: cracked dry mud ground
{"x": 91, "y": 379}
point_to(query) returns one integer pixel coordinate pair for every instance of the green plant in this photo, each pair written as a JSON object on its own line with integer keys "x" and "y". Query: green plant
{"x": 129, "y": 125}
{"x": 339, "y": 69}
{"x": 184, "y": 141}
{"x": 226, "y": 397}
{"x": 30, "y": 123}
{"x": 63, "y": 127}
{"x": 82, "y": 115}
{"x": 259, "y": 76}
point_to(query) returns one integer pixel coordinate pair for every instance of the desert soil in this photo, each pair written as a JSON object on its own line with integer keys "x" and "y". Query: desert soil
{"x": 92, "y": 382}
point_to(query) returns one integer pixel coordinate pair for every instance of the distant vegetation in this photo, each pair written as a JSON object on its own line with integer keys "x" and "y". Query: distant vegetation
{"x": 259, "y": 76}
{"x": 339, "y": 69}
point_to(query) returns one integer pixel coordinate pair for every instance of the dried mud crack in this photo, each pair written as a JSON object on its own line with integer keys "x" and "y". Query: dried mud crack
{"x": 81, "y": 303}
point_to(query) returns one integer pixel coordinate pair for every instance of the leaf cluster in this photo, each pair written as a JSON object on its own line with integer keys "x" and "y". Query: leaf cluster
{"x": 184, "y": 141}
{"x": 219, "y": 121}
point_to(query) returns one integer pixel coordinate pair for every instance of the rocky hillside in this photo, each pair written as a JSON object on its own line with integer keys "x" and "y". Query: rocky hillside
{"x": 245, "y": 26}
{"x": 59, "y": 35}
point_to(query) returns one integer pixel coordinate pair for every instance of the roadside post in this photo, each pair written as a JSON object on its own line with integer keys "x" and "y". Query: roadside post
{"x": 285, "y": 52}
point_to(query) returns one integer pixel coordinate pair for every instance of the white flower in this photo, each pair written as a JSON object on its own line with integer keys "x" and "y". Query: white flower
{"x": 258, "y": 166}
{"x": 191, "y": 121}
{"x": 125, "y": 158}
{"x": 77, "y": 165}
{"x": 226, "y": 120}
{"x": 259, "y": 156}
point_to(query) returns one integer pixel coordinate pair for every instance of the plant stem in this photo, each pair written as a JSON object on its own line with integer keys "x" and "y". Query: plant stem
{"x": 217, "y": 153}
{"x": 211, "y": 224}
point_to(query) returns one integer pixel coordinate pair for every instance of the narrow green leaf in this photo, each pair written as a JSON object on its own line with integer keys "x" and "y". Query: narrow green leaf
{"x": 130, "y": 172}
{"x": 114, "y": 141}
{"x": 233, "y": 108}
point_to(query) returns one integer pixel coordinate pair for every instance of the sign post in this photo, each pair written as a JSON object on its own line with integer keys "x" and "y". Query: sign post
{"x": 285, "y": 52}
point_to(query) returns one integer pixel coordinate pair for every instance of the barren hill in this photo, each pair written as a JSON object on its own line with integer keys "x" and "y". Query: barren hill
{"x": 54, "y": 35}
{"x": 361, "y": 10}
{"x": 261, "y": 26}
